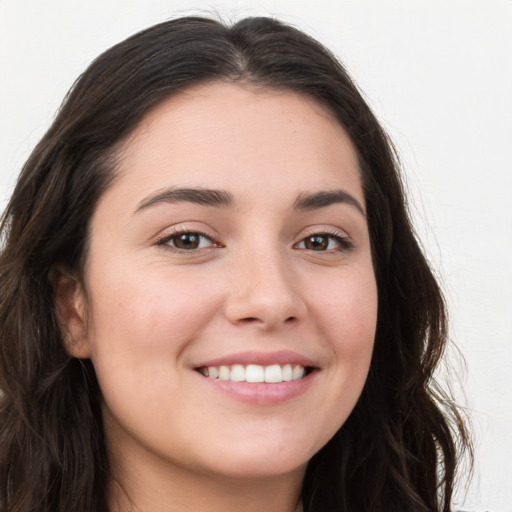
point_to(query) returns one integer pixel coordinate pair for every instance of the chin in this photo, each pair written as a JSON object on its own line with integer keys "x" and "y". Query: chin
{"x": 256, "y": 469}
{"x": 264, "y": 461}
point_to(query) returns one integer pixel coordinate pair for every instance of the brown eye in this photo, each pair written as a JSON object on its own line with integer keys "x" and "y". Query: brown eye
{"x": 324, "y": 242}
{"x": 316, "y": 242}
{"x": 188, "y": 241}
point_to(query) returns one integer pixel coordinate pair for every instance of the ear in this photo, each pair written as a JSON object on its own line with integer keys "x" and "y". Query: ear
{"x": 71, "y": 310}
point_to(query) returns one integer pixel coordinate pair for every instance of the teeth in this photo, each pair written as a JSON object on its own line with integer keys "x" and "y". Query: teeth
{"x": 287, "y": 372}
{"x": 237, "y": 373}
{"x": 255, "y": 373}
{"x": 298, "y": 373}
{"x": 273, "y": 373}
{"x": 223, "y": 372}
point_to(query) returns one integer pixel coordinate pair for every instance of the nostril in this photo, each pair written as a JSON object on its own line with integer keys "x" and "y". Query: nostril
{"x": 249, "y": 319}
{"x": 290, "y": 319}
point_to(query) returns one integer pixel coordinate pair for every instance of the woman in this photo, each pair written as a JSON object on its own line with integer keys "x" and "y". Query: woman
{"x": 211, "y": 294}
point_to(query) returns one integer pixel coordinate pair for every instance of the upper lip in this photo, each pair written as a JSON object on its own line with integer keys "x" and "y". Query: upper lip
{"x": 260, "y": 358}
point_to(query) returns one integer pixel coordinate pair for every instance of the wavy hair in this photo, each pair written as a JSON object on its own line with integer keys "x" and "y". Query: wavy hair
{"x": 399, "y": 449}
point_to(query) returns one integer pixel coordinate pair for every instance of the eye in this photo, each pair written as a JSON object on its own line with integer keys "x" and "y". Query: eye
{"x": 187, "y": 241}
{"x": 324, "y": 242}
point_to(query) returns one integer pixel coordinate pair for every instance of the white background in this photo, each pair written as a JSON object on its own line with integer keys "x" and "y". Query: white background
{"x": 438, "y": 73}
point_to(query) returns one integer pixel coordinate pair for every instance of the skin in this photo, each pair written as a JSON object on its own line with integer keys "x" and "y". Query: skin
{"x": 148, "y": 313}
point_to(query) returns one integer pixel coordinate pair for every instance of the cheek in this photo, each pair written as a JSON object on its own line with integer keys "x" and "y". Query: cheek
{"x": 346, "y": 315}
{"x": 344, "y": 309}
{"x": 140, "y": 324}
{"x": 146, "y": 313}
{"x": 347, "y": 311}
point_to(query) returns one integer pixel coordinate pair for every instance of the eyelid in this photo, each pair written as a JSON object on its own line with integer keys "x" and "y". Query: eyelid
{"x": 343, "y": 238}
{"x": 345, "y": 242}
{"x": 173, "y": 232}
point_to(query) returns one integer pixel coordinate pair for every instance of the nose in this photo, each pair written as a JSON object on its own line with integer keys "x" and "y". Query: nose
{"x": 265, "y": 292}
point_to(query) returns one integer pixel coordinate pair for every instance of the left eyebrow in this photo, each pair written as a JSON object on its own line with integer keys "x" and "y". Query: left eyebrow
{"x": 323, "y": 198}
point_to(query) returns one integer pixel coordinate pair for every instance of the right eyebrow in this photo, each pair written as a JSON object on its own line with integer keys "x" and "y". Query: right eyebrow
{"x": 202, "y": 196}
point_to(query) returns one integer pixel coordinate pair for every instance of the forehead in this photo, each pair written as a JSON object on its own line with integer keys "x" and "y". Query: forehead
{"x": 239, "y": 137}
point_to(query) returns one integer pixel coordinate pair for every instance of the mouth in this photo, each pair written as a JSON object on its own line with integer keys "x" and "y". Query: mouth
{"x": 259, "y": 378}
{"x": 255, "y": 373}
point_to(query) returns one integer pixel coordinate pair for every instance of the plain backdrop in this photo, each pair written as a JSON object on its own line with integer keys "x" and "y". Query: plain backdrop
{"x": 438, "y": 74}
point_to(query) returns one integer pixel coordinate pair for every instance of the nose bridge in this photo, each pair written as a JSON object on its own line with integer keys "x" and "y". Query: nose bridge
{"x": 264, "y": 289}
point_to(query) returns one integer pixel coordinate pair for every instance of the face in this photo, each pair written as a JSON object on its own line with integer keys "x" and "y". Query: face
{"x": 229, "y": 301}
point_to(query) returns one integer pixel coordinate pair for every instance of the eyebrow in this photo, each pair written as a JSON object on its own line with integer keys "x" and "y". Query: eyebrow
{"x": 224, "y": 199}
{"x": 321, "y": 199}
{"x": 202, "y": 196}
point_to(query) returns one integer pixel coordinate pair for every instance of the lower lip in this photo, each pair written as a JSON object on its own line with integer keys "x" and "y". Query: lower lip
{"x": 262, "y": 393}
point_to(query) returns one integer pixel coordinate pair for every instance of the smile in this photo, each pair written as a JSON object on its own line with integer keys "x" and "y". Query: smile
{"x": 255, "y": 373}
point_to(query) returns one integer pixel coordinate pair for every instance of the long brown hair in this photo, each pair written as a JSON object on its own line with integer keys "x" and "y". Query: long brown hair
{"x": 399, "y": 449}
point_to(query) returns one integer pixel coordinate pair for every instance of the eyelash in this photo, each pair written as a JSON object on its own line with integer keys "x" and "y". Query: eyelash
{"x": 164, "y": 240}
{"x": 343, "y": 242}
